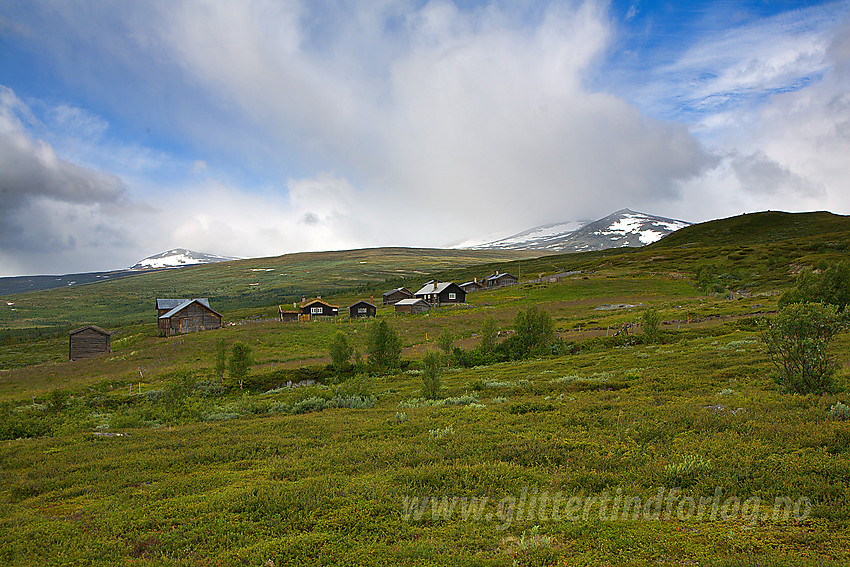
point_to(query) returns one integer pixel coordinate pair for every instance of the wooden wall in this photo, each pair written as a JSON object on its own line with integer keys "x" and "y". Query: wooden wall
{"x": 86, "y": 343}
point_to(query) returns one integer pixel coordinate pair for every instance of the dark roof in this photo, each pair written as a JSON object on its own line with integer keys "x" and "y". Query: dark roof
{"x": 401, "y": 289}
{"x": 93, "y": 327}
{"x": 361, "y": 301}
{"x": 186, "y": 303}
{"x": 471, "y": 283}
{"x": 172, "y": 303}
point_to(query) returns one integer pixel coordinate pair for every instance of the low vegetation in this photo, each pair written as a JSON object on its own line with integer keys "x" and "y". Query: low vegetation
{"x": 626, "y": 415}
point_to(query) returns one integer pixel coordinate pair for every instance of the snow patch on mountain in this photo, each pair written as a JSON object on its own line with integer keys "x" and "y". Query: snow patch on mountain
{"x": 178, "y": 258}
{"x": 622, "y": 228}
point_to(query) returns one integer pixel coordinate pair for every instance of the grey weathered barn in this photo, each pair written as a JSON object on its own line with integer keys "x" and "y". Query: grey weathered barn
{"x": 474, "y": 285}
{"x": 362, "y": 309}
{"x": 88, "y": 341}
{"x": 412, "y": 305}
{"x": 397, "y": 294}
{"x": 499, "y": 280}
{"x": 439, "y": 293}
{"x": 177, "y": 316}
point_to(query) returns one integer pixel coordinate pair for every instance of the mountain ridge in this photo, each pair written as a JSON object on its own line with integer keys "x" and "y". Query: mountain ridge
{"x": 619, "y": 229}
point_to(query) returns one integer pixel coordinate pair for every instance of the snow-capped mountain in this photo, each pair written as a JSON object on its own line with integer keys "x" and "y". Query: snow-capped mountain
{"x": 178, "y": 258}
{"x": 623, "y": 228}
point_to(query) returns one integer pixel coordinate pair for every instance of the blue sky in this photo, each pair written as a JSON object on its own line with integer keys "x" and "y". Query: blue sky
{"x": 266, "y": 127}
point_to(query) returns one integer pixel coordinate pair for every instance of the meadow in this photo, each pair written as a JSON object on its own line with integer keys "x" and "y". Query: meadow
{"x": 610, "y": 450}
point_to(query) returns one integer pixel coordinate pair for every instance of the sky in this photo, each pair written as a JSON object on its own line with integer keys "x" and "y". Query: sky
{"x": 263, "y": 127}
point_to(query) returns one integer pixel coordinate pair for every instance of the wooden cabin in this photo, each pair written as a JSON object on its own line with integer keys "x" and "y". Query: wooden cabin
{"x": 440, "y": 293}
{"x": 412, "y": 306}
{"x": 474, "y": 285}
{"x": 319, "y": 308}
{"x": 397, "y": 294}
{"x": 186, "y": 316}
{"x": 88, "y": 341}
{"x": 500, "y": 280}
{"x": 362, "y": 309}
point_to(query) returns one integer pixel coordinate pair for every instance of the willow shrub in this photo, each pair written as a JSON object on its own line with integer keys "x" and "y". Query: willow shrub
{"x": 798, "y": 342}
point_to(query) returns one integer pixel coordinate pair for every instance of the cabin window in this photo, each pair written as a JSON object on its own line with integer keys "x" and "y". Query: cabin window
{"x": 316, "y": 310}
{"x": 361, "y": 310}
{"x": 452, "y": 296}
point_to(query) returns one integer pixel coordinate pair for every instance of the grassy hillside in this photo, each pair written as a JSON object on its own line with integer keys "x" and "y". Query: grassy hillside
{"x": 234, "y": 285}
{"x": 682, "y": 452}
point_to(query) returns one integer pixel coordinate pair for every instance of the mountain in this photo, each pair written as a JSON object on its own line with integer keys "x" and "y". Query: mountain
{"x": 178, "y": 258}
{"x": 622, "y": 228}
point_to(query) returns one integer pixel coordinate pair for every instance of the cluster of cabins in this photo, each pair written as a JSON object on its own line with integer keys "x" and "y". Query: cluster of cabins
{"x": 178, "y": 316}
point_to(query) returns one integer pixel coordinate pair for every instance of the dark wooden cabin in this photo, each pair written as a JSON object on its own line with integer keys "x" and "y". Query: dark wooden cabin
{"x": 319, "y": 308}
{"x": 362, "y": 309}
{"x": 412, "y": 305}
{"x": 186, "y": 316}
{"x": 439, "y": 293}
{"x": 88, "y": 341}
{"x": 397, "y": 294}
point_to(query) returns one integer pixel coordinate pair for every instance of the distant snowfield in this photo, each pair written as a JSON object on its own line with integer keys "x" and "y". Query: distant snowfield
{"x": 634, "y": 223}
{"x": 622, "y": 228}
{"x": 178, "y": 258}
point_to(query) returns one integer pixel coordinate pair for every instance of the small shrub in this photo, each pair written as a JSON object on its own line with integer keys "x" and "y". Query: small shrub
{"x": 340, "y": 351}
{"x": 651, "y": 320}
{"x": 441, "y": 433}
{"x": 798, "y": 342}
{"x": 840, "y": 411}
{"x": 401, "y": 417}
{"x": 240, "y": 360}
{"x": 686, "y": 472}
{"x": 384, "y": 347}
{"x": 431, "y": 383}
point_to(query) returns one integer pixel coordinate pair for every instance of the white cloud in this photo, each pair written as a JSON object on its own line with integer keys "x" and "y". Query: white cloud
{"x": 400, "y": 123}
{"x": 791, "y": 152}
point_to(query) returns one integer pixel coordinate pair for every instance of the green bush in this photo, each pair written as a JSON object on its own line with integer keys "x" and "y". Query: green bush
{"x": 533, "y": 333}
{"x": 384, "y": 347}
{"x": 431, "y": 376}
{"x": 240, "y": 360}
{"x": 650, "y": 323}
{"x": 831, "y": 286}
{"x": 798, "y": 342}
{"x": 340, "y": 351}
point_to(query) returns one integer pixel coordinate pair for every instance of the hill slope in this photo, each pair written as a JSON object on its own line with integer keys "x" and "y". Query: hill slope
{"x": 237, "y": 284}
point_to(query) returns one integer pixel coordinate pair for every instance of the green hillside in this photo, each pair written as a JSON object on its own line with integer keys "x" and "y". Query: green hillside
{"x": 235, "y": 285}
{"x": 682, "y": 451}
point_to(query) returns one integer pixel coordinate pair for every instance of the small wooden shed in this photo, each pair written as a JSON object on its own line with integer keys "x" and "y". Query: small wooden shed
{"x": 362, "y": 309}
{"x": 88, "y": 341}
{"x": 187, "y": 316}
{"x": 413, "y": 306}
{"x": 397, "y": 294}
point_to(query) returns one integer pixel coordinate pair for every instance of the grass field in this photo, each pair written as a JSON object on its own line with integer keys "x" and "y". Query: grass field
{"x": 611, "y": 451}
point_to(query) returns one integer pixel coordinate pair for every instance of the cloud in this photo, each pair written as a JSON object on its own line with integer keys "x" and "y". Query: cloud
{"x": 51, "y": 210}
{"x": 455, "y": 121}
{"x": 276, "y": 126}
